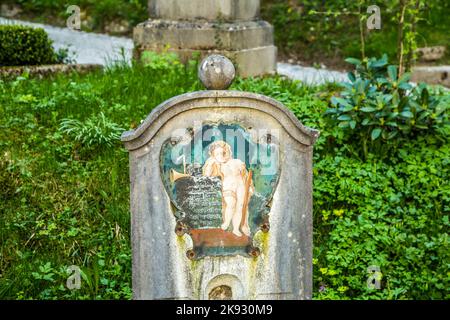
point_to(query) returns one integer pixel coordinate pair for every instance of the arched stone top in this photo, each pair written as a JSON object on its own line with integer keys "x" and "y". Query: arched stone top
{"x": 171, "y": 108}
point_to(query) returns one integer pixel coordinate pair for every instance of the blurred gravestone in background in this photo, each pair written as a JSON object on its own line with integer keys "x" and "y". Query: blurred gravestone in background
{"x": 229, "y": 27}
{"x": 221, "y": 196}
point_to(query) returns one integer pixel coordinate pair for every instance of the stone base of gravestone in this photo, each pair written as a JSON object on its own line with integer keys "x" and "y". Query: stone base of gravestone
{"x": 198, "y": 28}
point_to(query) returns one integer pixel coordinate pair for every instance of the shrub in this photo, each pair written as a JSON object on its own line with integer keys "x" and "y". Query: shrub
{"x": 20, "y": 45}
{"x": 167, "y": 62}
{"x": 376, "y": 103}
{"x": 65, "y": 56}
{"x": 97, "y": 131}
{"x": 390, "y": 215}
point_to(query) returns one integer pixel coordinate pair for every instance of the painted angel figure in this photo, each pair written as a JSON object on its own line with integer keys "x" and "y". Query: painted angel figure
{"x": 237, "y": 186}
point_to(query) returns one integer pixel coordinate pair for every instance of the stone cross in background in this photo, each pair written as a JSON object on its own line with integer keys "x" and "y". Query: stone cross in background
{"x": 230, "y": 27}
{"x": 221, "y": 196}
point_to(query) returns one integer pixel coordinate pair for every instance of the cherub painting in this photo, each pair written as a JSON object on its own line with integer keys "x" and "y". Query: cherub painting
{"x": 220, "y": 196}
{"x": 237, "y": 186}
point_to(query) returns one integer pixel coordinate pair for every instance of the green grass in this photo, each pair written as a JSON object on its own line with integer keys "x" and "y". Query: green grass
{"x": 62, "y": 202}
{"x": 65, "y": 201}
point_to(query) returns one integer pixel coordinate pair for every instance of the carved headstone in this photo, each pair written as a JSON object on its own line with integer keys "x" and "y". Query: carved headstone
{"x": 221, "y": 196}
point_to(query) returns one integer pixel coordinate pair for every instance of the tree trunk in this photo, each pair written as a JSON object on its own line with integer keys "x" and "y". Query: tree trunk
{"x": 412, "y": 44}
{"x": 400, "y": 46}
{"x": 361, "y": 33}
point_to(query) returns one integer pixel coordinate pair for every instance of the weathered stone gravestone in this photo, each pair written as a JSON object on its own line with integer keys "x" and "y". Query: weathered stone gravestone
{"x": 221, "y": 196}
{"x": 230, "y": 27}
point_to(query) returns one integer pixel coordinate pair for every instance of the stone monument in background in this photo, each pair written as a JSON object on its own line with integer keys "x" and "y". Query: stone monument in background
{"x": 221, "y": 196}
{"x": 232, "y": 28}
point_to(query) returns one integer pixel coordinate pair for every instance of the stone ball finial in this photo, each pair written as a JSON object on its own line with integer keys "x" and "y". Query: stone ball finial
{"x": 216, "y": 72}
